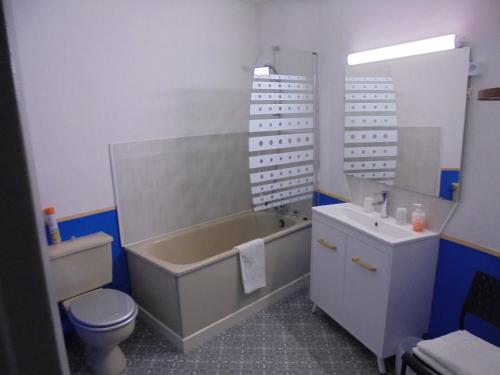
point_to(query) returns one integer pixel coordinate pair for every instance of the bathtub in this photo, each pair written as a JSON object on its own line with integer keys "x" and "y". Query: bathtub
{"x": 188, "y": 283}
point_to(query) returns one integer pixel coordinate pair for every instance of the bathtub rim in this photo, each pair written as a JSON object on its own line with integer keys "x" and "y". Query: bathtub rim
{"x": 178, "y": 270}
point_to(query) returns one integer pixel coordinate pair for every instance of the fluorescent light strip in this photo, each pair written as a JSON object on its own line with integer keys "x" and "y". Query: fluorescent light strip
{"x": 440, "y": 43}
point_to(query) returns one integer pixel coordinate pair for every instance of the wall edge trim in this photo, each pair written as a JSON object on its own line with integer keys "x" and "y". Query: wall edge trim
{"x": 474, "y": 246}
{"x": 86, "y": 213}
{"x": 445, "y": 236}
{"x": 484, "y": 249}
{"x": 335, "y": 196}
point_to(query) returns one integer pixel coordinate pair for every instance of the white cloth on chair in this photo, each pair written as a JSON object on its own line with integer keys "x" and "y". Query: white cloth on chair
{"x": 253, "y": 264}
{"x": 431, "y": 362}
{"x": 462, "y": 353}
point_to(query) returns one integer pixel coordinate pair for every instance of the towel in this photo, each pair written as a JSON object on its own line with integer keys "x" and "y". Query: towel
{"x": 431, "y": 362}
{"x": 463, "y": 354}
{"x": 253, "y": 264}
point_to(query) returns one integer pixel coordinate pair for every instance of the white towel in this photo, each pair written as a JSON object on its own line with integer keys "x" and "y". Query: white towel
{"x": 463, "y": 354}
{"x": 253, "y": 264}
{"x": 431, "y": 362}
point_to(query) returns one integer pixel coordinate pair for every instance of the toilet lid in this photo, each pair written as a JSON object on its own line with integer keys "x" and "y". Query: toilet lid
{"x": 102, "y": 308}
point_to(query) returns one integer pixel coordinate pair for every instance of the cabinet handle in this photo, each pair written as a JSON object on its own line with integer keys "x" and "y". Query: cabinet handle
{"x": 363, "y": 264}
{"x": 327, "y": 244}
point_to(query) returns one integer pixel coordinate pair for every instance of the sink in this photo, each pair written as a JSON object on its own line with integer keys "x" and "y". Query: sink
{"x": 371, "y": 223}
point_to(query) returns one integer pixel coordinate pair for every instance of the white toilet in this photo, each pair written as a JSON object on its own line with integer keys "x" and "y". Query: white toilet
{"x": 102, "y": 318}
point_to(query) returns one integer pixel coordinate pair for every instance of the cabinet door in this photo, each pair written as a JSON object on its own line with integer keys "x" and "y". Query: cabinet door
{"x": 366, "y": 293}
{"x": 327, "y": 268}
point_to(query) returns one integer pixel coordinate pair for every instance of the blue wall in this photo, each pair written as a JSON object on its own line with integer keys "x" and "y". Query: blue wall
{"x": 447, "y": 178}
{"x": 456, "y": 267}
{"x": 106, "y": 222}
{"x": 321, "y": 199}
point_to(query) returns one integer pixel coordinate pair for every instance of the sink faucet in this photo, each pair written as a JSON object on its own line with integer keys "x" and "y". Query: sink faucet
{"x": 382, "y": 203}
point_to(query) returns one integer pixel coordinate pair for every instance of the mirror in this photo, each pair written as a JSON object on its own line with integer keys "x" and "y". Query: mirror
{"x": 404, "y": 121}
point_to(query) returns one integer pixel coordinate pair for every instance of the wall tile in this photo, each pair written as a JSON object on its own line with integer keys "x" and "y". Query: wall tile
{"x": 166, "y": 184}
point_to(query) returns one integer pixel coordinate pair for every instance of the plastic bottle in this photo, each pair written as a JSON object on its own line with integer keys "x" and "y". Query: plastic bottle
{"x": 418, "y": 218}
{"x": 55, "y": 236}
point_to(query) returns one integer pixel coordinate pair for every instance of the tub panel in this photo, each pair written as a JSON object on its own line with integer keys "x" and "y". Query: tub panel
{"x": 156, "y": 291}
{"x": 290, "y": 258}
{"x": 213, "y": 292}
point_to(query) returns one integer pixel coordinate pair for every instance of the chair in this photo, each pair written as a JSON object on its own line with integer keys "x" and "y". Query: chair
{"x": 483, "y": 301}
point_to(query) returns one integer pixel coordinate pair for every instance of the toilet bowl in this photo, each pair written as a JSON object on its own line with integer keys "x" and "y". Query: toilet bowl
{"x": 102, "y": 319}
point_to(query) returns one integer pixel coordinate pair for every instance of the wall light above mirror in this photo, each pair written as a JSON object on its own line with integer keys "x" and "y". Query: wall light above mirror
{"x": 404, "y": 121}
{"x": 419, "y": 47}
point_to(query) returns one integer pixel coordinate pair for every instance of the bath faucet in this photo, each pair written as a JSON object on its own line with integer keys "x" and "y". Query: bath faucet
{"x": 382, "y": 203}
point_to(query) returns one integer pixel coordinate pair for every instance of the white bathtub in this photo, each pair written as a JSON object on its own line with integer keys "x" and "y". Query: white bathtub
{"x": 188, "y": 283}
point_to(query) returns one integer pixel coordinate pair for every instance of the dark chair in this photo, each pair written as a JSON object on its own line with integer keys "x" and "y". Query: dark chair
{"x": 483, "y": 301}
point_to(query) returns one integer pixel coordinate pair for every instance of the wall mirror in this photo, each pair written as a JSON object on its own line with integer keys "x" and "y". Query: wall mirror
{"x": 404, "y": 121}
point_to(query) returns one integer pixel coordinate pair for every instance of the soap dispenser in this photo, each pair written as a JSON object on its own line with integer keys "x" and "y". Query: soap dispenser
{"x": 418, "y": 218}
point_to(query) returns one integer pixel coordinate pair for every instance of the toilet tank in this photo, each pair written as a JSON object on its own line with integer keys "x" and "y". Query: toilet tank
{"x": 81, "y": 264}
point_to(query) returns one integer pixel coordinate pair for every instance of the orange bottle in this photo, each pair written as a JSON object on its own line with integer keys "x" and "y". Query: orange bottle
{"x": 418, "y": 218}
{"x": 51, "y": 221}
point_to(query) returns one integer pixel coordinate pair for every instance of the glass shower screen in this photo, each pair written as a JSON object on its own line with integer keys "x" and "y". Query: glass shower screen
{"x": 283, "y": 155}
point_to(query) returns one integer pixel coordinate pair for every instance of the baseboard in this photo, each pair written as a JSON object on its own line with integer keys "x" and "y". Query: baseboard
{"x": 161, "y": 328}
{"x": 194, "y": 340}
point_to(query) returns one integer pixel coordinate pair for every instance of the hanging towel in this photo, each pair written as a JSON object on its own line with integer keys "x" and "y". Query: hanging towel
{"x": 463, "y": 354}
{"x": 253, "y": 264}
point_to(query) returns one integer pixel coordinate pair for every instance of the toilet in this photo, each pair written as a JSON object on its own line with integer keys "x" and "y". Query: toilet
{"x": 101, "y": 317}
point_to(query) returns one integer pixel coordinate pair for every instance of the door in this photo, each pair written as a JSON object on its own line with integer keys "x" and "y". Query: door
{"x": 366, "y": 293}
{"x": 327, "y": 268}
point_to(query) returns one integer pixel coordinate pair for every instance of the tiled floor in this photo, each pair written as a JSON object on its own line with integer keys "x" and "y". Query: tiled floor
{"x": 285, "y": 338}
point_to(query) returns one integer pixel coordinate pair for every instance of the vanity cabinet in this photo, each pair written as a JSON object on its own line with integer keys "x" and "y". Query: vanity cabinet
{"x": 381, "y": 293}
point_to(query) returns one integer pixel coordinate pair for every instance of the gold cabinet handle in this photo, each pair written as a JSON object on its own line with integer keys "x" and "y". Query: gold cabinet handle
{"x": 363, "y": 264}
{"x": 327, "y": 244}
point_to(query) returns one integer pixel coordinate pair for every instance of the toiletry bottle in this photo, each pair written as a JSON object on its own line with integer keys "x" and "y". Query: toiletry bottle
{"x": 418, "y": 218}
{"x": 55, "y": 236}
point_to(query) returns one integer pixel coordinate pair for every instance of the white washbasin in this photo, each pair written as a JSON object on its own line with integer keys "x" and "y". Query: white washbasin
{"x": 372, "y": 224}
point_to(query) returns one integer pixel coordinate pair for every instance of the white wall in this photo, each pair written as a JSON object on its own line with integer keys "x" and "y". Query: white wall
{"x": 99, "y": 72}
{"x": 336, "y": 28}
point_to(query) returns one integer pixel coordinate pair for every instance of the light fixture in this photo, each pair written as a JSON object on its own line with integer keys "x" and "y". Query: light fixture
{"x": 261, "y": 72}
{"x": 440, "y": 43}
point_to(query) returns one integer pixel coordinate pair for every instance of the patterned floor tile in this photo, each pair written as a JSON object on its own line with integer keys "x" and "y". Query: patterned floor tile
{"x": 285, "y": 338}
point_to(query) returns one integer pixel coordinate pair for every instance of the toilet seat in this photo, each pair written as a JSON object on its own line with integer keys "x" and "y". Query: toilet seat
{"x": 102, "y": 310}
